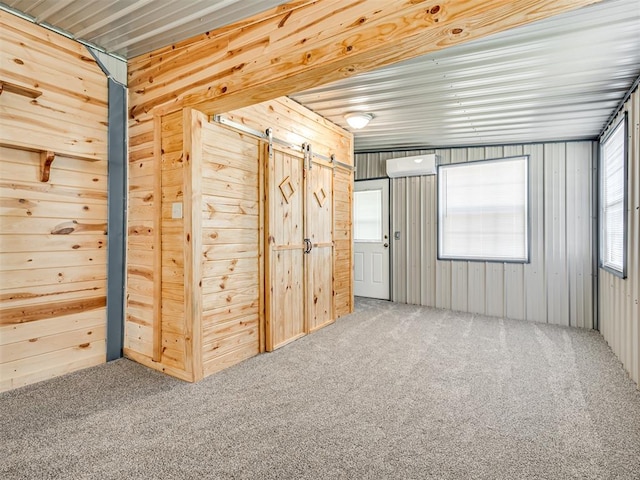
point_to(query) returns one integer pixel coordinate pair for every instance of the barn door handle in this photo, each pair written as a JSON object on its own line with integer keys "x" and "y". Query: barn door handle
{"x": 308, "y": 245}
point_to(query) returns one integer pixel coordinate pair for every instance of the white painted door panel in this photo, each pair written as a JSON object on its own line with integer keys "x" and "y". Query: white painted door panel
{"x": 371, "y": 239}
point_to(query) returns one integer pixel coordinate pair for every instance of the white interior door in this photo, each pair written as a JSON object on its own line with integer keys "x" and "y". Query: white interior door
{"x": 371, "y": 238}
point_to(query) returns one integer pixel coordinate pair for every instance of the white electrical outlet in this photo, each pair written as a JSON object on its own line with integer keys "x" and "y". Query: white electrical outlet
{"x": 176, "y": 210}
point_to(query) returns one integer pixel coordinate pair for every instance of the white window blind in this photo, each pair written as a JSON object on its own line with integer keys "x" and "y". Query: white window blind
{"x": 367, "y": 216}
{"x": 612, "y": 200}
{"x": 483, "y": 210}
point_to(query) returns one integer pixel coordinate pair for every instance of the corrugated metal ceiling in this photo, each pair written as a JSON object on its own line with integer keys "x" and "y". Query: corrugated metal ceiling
{"x": 129, "y": 28}
{"x": 557, "y": 79}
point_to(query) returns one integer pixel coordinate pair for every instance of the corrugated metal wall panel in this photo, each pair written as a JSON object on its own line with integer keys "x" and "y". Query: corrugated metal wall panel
{"x": 399, "y": 254}
{"x": 476, "y": 286}
{"x": 414, "y": 211}
{"x": 443, "y": 268}
{"x": 494, "y": 295}
{"x": 555, "y": 287}
{"x": 429, "y": 239}
{"x": 619, "y": 302}
{"x": 514, "y": 297}
{"x": 535, "y": 282}
{"x": 579, "y": 234}
{"x": 459, "y": 270}
{"x": 555, "y": 230}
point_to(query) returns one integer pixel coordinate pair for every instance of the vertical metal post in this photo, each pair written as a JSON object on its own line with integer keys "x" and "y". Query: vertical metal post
{"x": 595, "y": 215}
{"x": 117, "y": 196}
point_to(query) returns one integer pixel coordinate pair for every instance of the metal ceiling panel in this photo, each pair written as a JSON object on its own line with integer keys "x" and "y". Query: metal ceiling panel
{"x": 129, "y": 28}
{"x": 558, "y": 79}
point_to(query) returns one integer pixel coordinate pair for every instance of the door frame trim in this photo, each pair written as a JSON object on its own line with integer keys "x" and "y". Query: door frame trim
{"x": 389, "y": 210}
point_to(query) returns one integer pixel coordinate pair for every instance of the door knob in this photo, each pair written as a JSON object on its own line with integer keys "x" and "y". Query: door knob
{"x": 386, "y": 245}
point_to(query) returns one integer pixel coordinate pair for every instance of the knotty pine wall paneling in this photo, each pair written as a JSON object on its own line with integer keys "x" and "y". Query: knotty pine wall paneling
{"x": 53, "y": 234}
{"x": 196, "y": 281}
{"x": 232, "y": 246}
{"x": 295, "y": 123}
{"x": 343, "y": 241}
{"x": 157, "y": 325}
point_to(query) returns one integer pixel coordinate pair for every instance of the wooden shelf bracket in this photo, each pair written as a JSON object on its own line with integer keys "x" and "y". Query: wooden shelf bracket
{"x": 46, "y": 159}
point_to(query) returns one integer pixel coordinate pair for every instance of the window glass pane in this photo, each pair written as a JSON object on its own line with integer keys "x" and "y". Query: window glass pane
{"x": 612, "y": 200}
{"x": 367, "y": 216}
{"x": 482, "y": 210}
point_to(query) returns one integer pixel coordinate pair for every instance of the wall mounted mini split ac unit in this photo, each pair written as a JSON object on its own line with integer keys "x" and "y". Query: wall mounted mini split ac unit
{"x": 412, "y": 166}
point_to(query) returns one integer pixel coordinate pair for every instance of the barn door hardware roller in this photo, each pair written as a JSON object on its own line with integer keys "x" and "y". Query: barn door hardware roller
{"x": 309, "y": 153}
{"x": 308, "y": 246}
{"x": 269, "y": 134}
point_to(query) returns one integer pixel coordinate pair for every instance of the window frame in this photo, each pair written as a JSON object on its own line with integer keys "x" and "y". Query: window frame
{"x": 621, "y": 123}
{"x": 439, "y": 239}
{"x": 355, "y": 223}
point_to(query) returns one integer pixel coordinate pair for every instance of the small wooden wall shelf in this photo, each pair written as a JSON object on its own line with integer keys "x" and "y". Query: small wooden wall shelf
{"x": 46, "y": 161}
{"x": 18, "y": 89}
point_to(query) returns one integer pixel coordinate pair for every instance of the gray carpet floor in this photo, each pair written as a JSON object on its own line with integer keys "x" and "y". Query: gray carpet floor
{"x": 391, "y": 391}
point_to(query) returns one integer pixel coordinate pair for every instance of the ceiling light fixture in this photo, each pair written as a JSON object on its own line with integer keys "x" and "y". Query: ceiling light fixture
{"x": 358, "y": 119}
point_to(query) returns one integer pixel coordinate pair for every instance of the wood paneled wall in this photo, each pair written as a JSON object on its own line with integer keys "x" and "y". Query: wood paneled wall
{"x": 619, "y": 299}
{"x": 343, "y": 242}
{"x": 53, "y": 239}
{"x": 195, "y": 282}
{"x": 293, "y": 122}
{"x": 157, "y": 324}
{"x": 169, "y": 344}
{"x": 70, "y": 114}
{"x": 231, "y": 248}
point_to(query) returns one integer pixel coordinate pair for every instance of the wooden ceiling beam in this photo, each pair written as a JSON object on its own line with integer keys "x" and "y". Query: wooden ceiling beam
{"x": 306, "y": 44}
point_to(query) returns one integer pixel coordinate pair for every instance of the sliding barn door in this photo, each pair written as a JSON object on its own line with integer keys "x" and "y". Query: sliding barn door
{"x": 319, "y": 232}
{"x": 300, "y": 245}
{"x": 285, "y": 247}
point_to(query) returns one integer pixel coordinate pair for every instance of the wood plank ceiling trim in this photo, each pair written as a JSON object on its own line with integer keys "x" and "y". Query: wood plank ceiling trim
{"x": 302, "y": 45}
